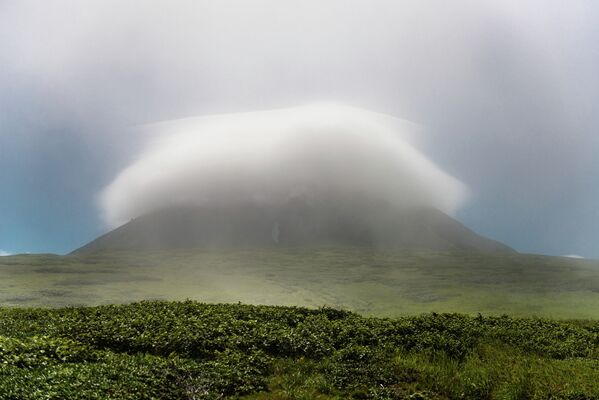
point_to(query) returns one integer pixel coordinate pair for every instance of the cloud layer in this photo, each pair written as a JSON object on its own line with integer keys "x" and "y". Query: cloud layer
{"x": 320, "y": 152}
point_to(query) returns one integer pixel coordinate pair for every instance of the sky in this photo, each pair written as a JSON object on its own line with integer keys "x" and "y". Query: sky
{"x": 505, "y": 93}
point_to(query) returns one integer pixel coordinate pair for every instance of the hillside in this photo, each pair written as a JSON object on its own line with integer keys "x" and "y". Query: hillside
{"x": 189, "y": 350}
{"x": 297, "y": 223}
{"x": 384, "y": 282}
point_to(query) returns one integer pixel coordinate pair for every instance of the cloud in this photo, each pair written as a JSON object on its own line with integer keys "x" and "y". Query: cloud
{"x": 506, "y": 88}
{"x": 4, "y": 253}
{"x": 320, "y": 151}
{"x": 573, "y": 256}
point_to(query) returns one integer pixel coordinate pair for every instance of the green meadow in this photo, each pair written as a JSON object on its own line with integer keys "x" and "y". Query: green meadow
{"x": 325, "y": 323}
{"x": 376, "y": 282}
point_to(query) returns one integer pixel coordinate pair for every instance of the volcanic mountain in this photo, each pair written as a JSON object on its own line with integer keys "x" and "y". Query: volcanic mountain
{"x": 296, "y": 223}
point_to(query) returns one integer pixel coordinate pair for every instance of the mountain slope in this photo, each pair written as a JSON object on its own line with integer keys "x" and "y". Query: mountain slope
{"x": 297, "y": 223}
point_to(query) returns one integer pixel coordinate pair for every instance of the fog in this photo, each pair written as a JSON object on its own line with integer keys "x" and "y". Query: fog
{"x": 321, "y": 152}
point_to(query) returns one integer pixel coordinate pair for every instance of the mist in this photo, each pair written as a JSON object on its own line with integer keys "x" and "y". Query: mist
{"x": 320, "y": 152}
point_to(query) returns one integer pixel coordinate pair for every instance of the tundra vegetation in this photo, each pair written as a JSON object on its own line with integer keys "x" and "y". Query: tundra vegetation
{"x": 367, "y": 329}
{"x": 192, "y": 350}
{"x": 370, "y": 281}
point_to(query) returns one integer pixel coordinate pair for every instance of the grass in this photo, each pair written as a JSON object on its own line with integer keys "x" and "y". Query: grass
{"x": 190, "y": 350}
{"x": 378, "y": 282}
{"x": 548, "y": 348}
{"x": 488, "y": 373}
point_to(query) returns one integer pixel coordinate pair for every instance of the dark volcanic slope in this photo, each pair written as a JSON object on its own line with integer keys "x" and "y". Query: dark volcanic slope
{"x": 294, "y": 224}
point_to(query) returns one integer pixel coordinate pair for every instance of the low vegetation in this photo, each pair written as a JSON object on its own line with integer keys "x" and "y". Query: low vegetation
{"x": 191, "y": 350}
{"x": 375, "y": 282}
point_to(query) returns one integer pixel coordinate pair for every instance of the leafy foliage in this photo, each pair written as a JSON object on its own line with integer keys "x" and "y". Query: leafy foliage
{"x": 190, "y": 350}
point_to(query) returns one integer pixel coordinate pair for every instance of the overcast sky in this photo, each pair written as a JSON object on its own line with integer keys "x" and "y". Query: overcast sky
{"x": 506, "y": 93}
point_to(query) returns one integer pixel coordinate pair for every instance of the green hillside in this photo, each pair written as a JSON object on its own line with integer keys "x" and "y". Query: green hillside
{"x": 363, "y": 279}
{"x": 188, "y": 350}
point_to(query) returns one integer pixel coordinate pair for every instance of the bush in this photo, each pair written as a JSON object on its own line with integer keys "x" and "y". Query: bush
{"x": 190, "y": 350}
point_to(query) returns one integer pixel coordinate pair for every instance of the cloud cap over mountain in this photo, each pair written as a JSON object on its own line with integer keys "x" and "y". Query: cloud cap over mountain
{"x": 319, "y": 152}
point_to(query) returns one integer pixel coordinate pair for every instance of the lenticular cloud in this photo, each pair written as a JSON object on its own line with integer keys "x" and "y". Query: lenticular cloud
{"x": 320, "y": 152}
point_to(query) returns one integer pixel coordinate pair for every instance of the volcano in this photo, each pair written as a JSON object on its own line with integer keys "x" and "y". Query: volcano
{"x": 296, "y": 223}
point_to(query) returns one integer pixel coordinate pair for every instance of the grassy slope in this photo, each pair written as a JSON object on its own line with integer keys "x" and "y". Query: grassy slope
{"x": 188, "y": 350}
{"x": 369, "y": 281}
